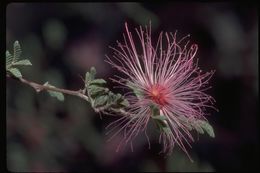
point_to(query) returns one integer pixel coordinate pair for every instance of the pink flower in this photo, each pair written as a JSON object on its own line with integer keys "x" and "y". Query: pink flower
{"x": 165, "y": 76}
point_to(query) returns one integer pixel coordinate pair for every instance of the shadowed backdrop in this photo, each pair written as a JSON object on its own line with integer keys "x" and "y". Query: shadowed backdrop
{"x": 63, "y": 40}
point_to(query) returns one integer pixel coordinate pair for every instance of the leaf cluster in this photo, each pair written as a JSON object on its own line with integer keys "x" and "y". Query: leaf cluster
{"x": 100, "y": 97}
{"x": 199, "y": 125}
{"x": 13, "y": 61}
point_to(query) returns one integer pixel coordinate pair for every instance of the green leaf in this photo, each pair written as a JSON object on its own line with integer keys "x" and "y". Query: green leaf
{"x": 138, "y": 92}
{"x": 155, "y": 110}
{"x": 166, "y": 130}
{"x": 119, "y": 98}
{"x": 198, "y": 128}
{"x": 99, "y": 82}
{"x": 101, "y": 96}
{"x": 100, "y": 101}
{"x": 162, "y": 125}
{"x": 94, "y": 91}
{"x": 116, "y": 101}
{"x": 93, "y": 71}
{"x": 159, "y": 117}
{"x": 119, "y": 101}
{"x": 17, "y": 51}
{"x": 207, "y": 127}
{"x": 111, "y": 97}
{"x": 23, "y": 62}
{"x": 160, "y": 120}
{"x": 8, "y": 57}
{"x": 185, "y": 122}
{"x": 55, "y": 94}
{"x": 89, "y": 76}
{"x": 15, "y": 72}
{"x": 124, "y": 103}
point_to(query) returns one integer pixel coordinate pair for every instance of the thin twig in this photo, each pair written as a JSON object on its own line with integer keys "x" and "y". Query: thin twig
{"x": 39, "y": 88}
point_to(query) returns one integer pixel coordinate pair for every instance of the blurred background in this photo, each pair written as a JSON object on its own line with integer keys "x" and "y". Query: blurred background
{"x": 63, "y": 40}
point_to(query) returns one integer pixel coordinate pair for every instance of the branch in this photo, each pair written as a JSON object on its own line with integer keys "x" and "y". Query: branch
{"x": 100, "y": 98}
{"x": 80, "y": 93}
{"x": 38, "y": 88}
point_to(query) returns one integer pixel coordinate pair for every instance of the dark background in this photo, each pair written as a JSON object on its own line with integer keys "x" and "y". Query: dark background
{"x": 64, "y": 40}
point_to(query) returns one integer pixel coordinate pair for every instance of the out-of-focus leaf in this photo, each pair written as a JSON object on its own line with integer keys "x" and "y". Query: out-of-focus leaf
{"x": 119, "y": 98}
{"x": 155, "y": 110}
{"x": 179, "y": 162}
{"x": 150, "y": 166}
{"x": 159, "y": 117}
{"x": 54, "y": 33}
{"x": 207, "y": 127}
{"x": 160, "y": 120}
{"x": 137, "y": 92}
{"x": 17, "y": 158}
{"x": 198, "y": 128}
{"x": 166, "y": 130}
{"x": 185, "y": 122}
{"x": 93, "y": 71}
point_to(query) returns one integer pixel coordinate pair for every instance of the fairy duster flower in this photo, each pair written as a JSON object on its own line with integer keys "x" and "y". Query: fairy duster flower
{"x": 165, "y": 85}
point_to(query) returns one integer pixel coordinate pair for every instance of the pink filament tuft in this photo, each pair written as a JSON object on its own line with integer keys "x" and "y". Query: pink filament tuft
{"x": 167, "y": 75}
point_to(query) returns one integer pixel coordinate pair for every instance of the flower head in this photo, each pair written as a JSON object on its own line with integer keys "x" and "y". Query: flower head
{"x": 166, "y": 85}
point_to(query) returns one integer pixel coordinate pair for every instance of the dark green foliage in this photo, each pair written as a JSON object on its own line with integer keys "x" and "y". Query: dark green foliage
{"x": 135, "y": 89}
{"x": 12, "y": 61}
{"x": 199, "y": 125}
{"x": 100, "y": 97}
{"x": 160, "y": 120}
{"x": 15, "y": 72}
{"x": 55, "y": 94}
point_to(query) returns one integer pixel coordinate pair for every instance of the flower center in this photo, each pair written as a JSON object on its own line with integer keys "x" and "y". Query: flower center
{"x": 158, "y": 94}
